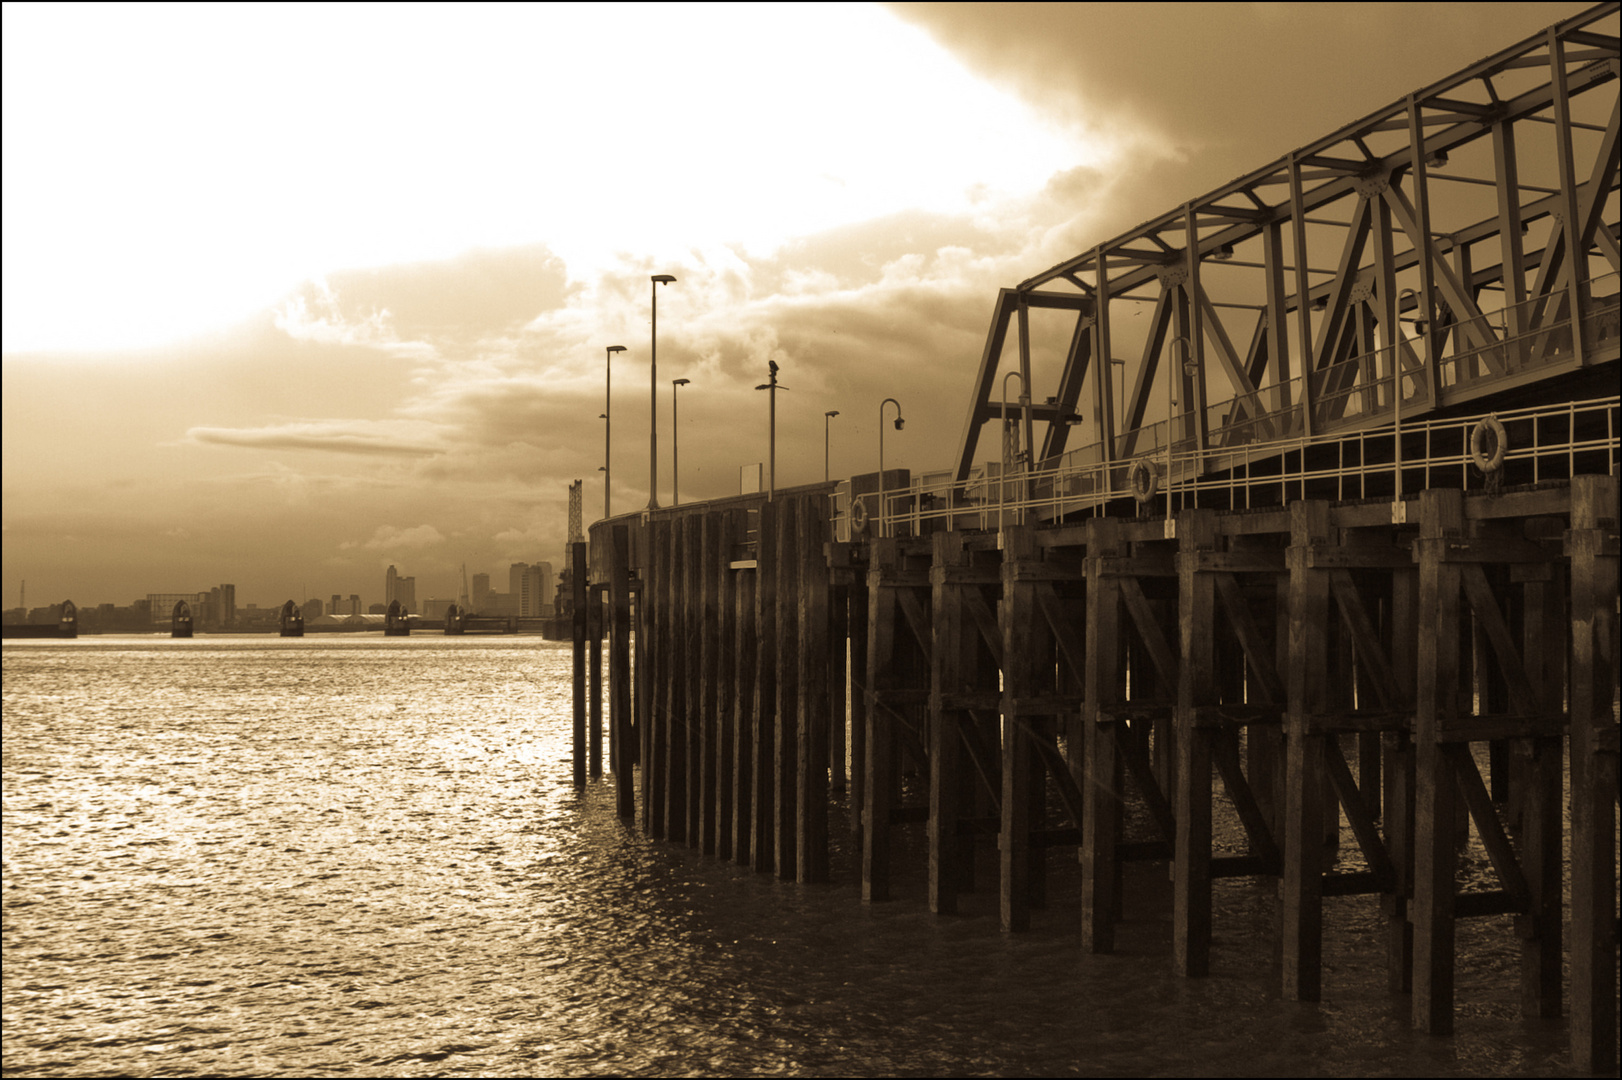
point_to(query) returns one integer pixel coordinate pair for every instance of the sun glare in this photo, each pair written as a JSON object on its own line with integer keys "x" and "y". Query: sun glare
{"x": 172, "y": 170}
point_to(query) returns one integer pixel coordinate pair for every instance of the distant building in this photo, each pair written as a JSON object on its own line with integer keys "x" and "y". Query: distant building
{"x": 313, "y": 608}
{"x": 354, "y": 604}
{"x": 481, "y": 591}
{"x": 532, "y": 587}
{"x": 434, "y": 608}
{"x": 403, "y": 589}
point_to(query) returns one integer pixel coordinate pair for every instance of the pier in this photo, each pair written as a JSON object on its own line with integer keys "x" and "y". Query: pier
{"x": 1342, "y": 569}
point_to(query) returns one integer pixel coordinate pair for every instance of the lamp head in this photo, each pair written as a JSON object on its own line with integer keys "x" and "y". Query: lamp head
{"x": 663, "y": 279}
{"x": 898, "y": 423}
{"x": 678, "y": 382}
{"x": 616, "y": 348}
{"x": 831, "y": 412}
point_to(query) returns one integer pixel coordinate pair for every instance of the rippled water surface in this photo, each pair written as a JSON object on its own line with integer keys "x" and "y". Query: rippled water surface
{"x": 364, "y": 856}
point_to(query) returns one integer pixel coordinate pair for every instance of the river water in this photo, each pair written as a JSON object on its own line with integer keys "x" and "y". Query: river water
{"x": 364, "y": 856}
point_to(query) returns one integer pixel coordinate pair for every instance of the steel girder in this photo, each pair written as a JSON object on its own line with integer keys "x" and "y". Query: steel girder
{"x": 1410, "y": 244}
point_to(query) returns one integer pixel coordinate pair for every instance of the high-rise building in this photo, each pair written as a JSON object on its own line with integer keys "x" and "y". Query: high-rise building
{"x": 515, "y": 579}
{"x": 354, "y": 604}
{"x": 405, "y": 591}
{"x": 481, "y": 591}
{"x": 390, "y": 581}
{"x": 312, "y": 608}
{"x": 337, "y": 605}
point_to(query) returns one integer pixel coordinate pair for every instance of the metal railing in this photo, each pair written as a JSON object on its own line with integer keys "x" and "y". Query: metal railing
{"x": 1351, "y": 412}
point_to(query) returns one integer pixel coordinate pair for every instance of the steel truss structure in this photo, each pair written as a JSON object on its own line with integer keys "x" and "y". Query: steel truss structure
{"x": 1454, "y": 210}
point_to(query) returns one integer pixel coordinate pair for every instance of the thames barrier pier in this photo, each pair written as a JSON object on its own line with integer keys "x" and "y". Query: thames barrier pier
{"x": 1337, "y": 557}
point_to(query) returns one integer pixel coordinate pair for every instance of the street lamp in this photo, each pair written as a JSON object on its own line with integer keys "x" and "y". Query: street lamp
{"x": 898, "y": 422}
{"x": 675, "y": 446}
{"x": 1007, "y": 458}
{"x": 826, "y": 418}
{"x": 608, "y": 426}
{"x": 653, "y": 404}
{"x": 772, "y": 387}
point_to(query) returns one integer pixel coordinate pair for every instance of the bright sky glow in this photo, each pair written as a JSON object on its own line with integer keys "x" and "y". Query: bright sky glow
{"x": 171, "y": 170}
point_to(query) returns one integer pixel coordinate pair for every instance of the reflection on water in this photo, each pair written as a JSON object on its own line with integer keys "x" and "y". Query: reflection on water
{"x": 365, "y": 856}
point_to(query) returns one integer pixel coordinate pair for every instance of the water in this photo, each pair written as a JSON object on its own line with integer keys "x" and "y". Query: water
{"x": 357, "y": 855}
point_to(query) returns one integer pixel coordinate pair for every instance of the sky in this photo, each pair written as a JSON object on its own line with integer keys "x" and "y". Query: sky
{"x": 294, "y": 293}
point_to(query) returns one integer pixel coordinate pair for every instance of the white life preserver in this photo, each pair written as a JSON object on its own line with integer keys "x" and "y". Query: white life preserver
{"x": 858, "y": 516}
{"x": 1143, "y": 480}
{"x": 1488, "y": 441}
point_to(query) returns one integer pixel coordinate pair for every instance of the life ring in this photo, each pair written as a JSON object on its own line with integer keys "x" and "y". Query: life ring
{"x": 1488, "y": 442}
{"x": 1143, "y": 480}
{"x": 858, "y": 515}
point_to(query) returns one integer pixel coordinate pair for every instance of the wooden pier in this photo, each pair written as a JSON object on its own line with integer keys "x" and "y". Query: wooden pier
{"x": 1317, "y": 633}
{"x": 1315, "y": 666}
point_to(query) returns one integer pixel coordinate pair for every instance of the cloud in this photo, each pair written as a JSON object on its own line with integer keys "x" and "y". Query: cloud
{"x": 389, "y": 438}
{"x": 389, "y": 538}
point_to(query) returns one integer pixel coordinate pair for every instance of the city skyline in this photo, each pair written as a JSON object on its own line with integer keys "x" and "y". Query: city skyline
{"x": 298, "y": 328}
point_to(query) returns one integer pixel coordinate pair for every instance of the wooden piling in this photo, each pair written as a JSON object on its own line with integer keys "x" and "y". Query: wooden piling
{"x": 619, "y": 673}
{"x": 594, "y": 670}
{"x": 1435, "y": 855}
{"x": 694, "y": 661}
{"x": 762, "y": 769}
{"x": 1304, "y": 796}
{"x": 1591, "y": 545}
{"x": 811, "y": 763}
{"x": 577, "y": 561}
{"x": 786, "y": 718}
{"x": 745, "y": 655}
{"x": 1196, "y": 690}
{"x": 877, "y": 793}
{"x": 1103, "y": 728}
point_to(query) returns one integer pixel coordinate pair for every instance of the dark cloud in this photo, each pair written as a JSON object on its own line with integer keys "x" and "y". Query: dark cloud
{"x": 343, "y": 437}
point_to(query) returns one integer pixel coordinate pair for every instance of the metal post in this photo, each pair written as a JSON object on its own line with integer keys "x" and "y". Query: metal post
{"x": 826, "y": 417}
{"x": 653, "y": 394}
{"x": 608, "y": 410}
{"x": 675, "y": 445}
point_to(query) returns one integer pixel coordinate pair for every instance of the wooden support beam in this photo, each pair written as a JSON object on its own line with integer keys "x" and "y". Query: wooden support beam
{"x": 786, "y": 736}
{"x": 1196, "y": 687}
{"x": 744, "y": 717}
{"x": 1592, "y": 547}
{"x": 811, "y": 763}
{"x": 619, "y": 672}
{"x": 655, "y": 761}
{"x": 1441, "y": 520}
{"x": 694, "y": 560}
{"x": 948, "y": 660}
{"x": 577, "y": 562}
{"x": 878, "y": 794}
{"x": 859, "y": 724}
{"x": 676, "y": 713}
{"x": 1019, "y": 617}
{"x": 1306, "y": 693}
{"x": 762, "y": 727}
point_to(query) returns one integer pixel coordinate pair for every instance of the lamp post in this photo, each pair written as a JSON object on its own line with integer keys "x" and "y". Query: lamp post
{"x": 675, "y": 446}
{"x": 826, "y": 418}
{"x": 1007, "y": 458}
{"x": 898, "y": 422}
{"x": 608, "y": 425}
{"x": 653, "y": 404}
{"x": 1120, "y": 415}
{"x": 772, "y": 387}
